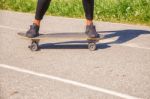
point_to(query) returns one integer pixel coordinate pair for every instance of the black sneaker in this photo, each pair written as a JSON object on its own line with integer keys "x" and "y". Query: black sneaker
{"x": 91, "y": 31}
{"x": 33, "y": 31}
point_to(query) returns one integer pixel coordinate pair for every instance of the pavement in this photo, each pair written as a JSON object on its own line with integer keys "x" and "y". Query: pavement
{"x": 118, "y": 69}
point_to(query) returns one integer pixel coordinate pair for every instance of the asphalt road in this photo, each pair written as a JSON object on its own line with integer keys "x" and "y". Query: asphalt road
{"x": 120, "y": 68}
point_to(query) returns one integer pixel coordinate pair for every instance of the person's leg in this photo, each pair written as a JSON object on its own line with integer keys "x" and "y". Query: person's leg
{"x": 88, "y": 6}
{"x": 42, "y": 6}
{"x": 89, "y": 10}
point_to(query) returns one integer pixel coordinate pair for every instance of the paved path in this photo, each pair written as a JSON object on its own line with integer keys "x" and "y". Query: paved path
{"x": 120, "y": 68}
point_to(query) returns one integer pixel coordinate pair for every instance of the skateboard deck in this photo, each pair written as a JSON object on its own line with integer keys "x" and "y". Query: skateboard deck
{"x": 60, "y": 37}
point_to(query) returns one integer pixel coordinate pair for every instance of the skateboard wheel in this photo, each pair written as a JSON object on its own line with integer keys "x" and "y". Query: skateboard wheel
{"x": 92, "y": 46}
{"x": 34, "y": 46}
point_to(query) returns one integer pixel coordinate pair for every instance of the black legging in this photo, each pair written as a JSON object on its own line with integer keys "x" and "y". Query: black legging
{"x": 43, "y": 5}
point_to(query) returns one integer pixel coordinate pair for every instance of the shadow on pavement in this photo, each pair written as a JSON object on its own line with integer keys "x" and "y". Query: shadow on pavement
{"x": 123, "y": 36}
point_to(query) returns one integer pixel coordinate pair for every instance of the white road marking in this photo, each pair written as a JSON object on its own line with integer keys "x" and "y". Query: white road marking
{"x": 135, "y": 46}
{"x": 11, "y": 28}
{"x": 71, "y": 82}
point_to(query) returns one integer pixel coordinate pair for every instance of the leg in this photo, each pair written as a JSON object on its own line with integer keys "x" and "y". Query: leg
{"x": 89, "y": 10}
{"x": 42, "y": 6}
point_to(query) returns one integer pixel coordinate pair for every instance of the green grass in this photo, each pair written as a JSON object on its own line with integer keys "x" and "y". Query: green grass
{"x": 126, "y": 11}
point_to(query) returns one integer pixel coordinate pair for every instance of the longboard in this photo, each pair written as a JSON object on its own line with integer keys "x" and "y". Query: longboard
{"x": 60, "y": 36}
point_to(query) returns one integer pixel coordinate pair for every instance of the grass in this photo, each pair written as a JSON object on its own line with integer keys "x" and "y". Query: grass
{"x": 126, "y": 11}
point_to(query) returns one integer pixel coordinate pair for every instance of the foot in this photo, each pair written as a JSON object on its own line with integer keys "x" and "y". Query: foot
{"x": 91, "y": 31}
{"x": 33, "y": 31}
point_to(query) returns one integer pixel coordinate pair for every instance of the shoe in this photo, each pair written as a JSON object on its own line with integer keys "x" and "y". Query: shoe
{"x": 91, "y": 31}
{"x": 33, "y": 31}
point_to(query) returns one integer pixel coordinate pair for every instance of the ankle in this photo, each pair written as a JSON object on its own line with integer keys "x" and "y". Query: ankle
{"x": 37, "y": 22}
{"x": 89, "y": 22}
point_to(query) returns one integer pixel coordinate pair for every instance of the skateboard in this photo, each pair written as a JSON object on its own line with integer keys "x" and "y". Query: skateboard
{"x": 34, "y": 46}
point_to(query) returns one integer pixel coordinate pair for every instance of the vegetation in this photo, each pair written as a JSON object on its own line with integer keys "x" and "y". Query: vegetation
{"x": 127, "y": 11}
